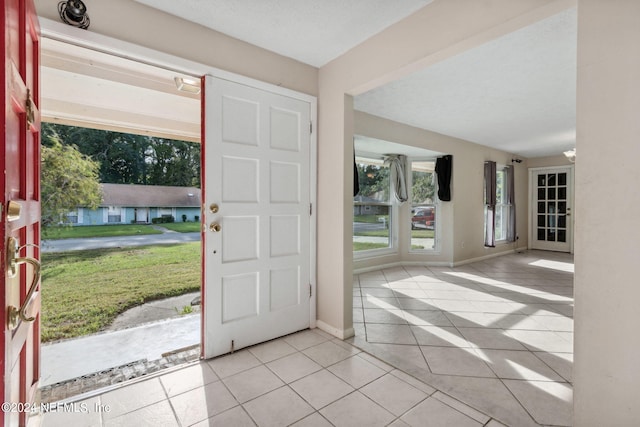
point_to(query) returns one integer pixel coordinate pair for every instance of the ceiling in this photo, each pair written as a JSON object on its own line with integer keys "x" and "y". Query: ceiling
{"x": 515, "y": 93}
{"x": 311, "y": 31}
{"x": 365, "y": 146}
{"x": 84, "y": 87}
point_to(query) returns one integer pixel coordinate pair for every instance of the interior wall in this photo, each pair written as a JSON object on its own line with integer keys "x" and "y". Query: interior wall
{"x": 433, "y": 33}
{"x": 545, "y": 162}
{"x": 461, "y": 219}
{"x": 607, "y": 342}
{"x": 136, "y": 23}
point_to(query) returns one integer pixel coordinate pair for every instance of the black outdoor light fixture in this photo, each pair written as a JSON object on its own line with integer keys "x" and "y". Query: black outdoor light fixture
{"x": 74, "y": 12}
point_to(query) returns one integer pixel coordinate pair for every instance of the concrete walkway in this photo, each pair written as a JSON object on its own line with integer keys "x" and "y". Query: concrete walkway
{"x": 69, "y": 359}
{"x": 143, "y": 332}
{"x": 153, "y": 311}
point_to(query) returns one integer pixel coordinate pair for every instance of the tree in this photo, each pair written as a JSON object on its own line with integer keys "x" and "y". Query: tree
{"x": 374, "y": 181}
{"x": 171, "y": 162}
{"x": 133, "y": 159}
{"x": 423, "y": 189}
{"x": 69, "y": 179}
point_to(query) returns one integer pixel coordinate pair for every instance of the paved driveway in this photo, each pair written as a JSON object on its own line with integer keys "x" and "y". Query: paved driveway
{"x": 117, "y": 242}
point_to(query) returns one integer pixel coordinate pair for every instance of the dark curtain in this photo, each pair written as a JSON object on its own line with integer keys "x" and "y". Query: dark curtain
{"x": 511, "y": 201}
{"x": 490, "y": 204}
{"x": 443, "y": 171}
{"x": 356, "y": 180}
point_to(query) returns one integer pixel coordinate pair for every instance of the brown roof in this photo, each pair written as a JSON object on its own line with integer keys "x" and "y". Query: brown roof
{"x": 130, "y": 195}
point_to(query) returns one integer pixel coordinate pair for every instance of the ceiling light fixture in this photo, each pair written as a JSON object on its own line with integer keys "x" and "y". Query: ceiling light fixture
{"x": 187, "y": 84}
{"x": 74, "y": 13}
{"x": 571, "y": 155}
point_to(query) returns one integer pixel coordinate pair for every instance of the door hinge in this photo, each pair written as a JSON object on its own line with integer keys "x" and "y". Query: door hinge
{"x": 310, "y": 290}
{"x": 310, "y": 127}
{"x": 232, "y": 346}
{"x": 310, "y": 209}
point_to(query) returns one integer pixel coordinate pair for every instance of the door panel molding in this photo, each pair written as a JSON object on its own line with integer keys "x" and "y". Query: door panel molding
{"x": 259, "y": 252}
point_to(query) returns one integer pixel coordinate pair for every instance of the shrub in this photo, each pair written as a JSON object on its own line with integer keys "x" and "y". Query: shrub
{"x": 163, "y": 219}
{"x": 184, "y": 218}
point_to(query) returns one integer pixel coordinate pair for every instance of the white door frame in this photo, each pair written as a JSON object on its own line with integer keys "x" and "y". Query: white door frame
{"x": 64, "y": 33}
{"x": 533, "y": 199}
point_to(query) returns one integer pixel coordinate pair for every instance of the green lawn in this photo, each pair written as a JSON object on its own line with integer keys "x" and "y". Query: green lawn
{"x": 182, "y": 227}
{"x": 83, "y": 291}
{"x": 98, "y": 231}
{"x": 370, "y": 218}
{"x": 365, "y": 246}
{"x": 422, "y": 234}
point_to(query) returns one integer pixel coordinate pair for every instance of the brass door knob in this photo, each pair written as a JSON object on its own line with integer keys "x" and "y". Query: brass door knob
{"x": 215, "y": 227}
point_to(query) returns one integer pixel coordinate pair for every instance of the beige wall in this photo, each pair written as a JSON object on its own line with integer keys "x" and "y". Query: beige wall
{"x": 139, "y": 24}
{"x": 462, "y": 218}
{"x": 439, "y": 30}
{"x": 545, "y": 162}
{"x": 607, "y": 288}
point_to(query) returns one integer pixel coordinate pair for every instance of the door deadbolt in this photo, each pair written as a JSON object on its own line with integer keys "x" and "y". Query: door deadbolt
{"x": 213, "y": 208}
{"x": 13, "y": 211}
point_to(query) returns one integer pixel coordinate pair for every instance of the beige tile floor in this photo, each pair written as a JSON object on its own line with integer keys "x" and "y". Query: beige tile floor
{"x": 497, "y": 334}
{"x": 488, "y": 344}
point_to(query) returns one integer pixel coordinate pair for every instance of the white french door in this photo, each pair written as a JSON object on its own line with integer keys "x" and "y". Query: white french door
{"x": 551, "y": 202}
{"x": 256, "y": 195}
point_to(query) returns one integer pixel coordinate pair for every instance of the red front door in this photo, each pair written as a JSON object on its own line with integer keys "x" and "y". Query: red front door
{"x": 20, "y": 212}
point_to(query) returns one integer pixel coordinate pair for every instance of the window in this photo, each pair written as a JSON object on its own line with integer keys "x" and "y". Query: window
{"x": 372, "y": 210}
{"x": 497, "y": 204}
{"x": 502, "y": 206}
{"x": 114, "y": 215}
{"x": 423, "y": 207}
{"x": 75, "y": 217}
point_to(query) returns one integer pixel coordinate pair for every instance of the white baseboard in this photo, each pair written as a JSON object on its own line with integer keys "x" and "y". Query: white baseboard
{"x": 483, "y": 258}
{"x": 342, "y": 334}
{"x": 436, "y": 263}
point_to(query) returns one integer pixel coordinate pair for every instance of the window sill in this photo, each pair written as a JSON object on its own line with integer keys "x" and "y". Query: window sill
{"x": 374, "y": 253}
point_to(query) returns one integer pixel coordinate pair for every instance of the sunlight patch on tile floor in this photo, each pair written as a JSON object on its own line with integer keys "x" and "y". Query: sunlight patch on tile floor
{"x": 554, "y": 265}
{"x": 504, "y": 319}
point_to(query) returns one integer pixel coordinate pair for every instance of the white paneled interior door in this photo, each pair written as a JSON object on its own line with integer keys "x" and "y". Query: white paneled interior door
{"x": 257, "y": 247}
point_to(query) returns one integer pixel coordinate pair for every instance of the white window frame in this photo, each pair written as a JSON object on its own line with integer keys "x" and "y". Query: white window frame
{"x": 502, "y": 209}
{"x": 75, "y": 213}
{"x": 393, "y": 214}
{"x": 113, "y": 211}
{"x": 436, "y": 205}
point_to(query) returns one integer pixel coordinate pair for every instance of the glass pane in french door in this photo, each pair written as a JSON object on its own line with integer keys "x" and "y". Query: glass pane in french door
{"x": 552, "y": 207}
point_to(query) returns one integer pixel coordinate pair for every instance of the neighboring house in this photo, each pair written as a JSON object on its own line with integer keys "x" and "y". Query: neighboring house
{"x": 368, "y": 206}
{"x": 129, "y": 203}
